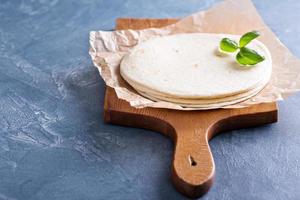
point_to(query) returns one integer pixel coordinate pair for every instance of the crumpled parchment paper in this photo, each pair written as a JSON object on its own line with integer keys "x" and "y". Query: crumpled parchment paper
{"x": 230, "y": 17}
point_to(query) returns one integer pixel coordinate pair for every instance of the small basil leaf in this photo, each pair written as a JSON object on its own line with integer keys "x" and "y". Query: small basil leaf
{"x": 242, "y": 60}
{"x": 248, "y": 56}
{"x": 248, "y": 37}
{"x": 228, "y": 45}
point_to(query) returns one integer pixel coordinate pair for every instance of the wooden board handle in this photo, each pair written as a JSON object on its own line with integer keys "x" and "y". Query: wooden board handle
{"x": 193, "y": 165}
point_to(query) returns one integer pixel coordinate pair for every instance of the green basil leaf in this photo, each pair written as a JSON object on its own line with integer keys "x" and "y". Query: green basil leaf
{"x": 228, "y": 45}
{"x": 248, "y": 56}
{"x": 248, "y": 37}
{"x": 242, "y": 60}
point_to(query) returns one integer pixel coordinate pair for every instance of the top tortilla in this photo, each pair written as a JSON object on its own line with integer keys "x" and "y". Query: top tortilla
{"x": 187, "y": 66}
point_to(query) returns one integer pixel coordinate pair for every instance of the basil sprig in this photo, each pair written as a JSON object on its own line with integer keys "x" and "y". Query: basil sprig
{"x": 245, "y": 56}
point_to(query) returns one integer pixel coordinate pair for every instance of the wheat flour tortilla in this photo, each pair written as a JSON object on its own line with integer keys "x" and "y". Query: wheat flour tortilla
{"x": 201, "y": 106}
{"x": 186, "y": 66}
{"x": 156, "y": 95}
{"x": 208, "y": 102}
{"x": 214, "y": 103}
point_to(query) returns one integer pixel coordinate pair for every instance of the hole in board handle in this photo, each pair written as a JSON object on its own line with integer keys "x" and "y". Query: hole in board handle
{"x": 192, "y": 161}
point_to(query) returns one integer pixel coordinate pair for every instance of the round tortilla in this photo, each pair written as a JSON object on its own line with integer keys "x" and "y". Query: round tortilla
{"x": 186, "y": 66}
{"x": 160, "y": 96}
{"x": 205, "y": 106}
{"x": 197, "y": 102}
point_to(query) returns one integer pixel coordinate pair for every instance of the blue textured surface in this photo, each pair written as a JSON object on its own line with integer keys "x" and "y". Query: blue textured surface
{"x": 54, "y": 145}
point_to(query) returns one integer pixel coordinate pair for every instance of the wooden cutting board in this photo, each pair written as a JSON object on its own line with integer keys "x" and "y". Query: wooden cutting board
{"x": 193, "y": 166}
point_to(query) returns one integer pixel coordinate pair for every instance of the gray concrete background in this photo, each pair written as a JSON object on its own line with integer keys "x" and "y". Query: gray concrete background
{"x": 54, "y": 145}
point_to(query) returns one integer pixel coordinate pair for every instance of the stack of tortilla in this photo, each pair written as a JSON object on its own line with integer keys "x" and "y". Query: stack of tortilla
{"x": 189, "y": 70}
